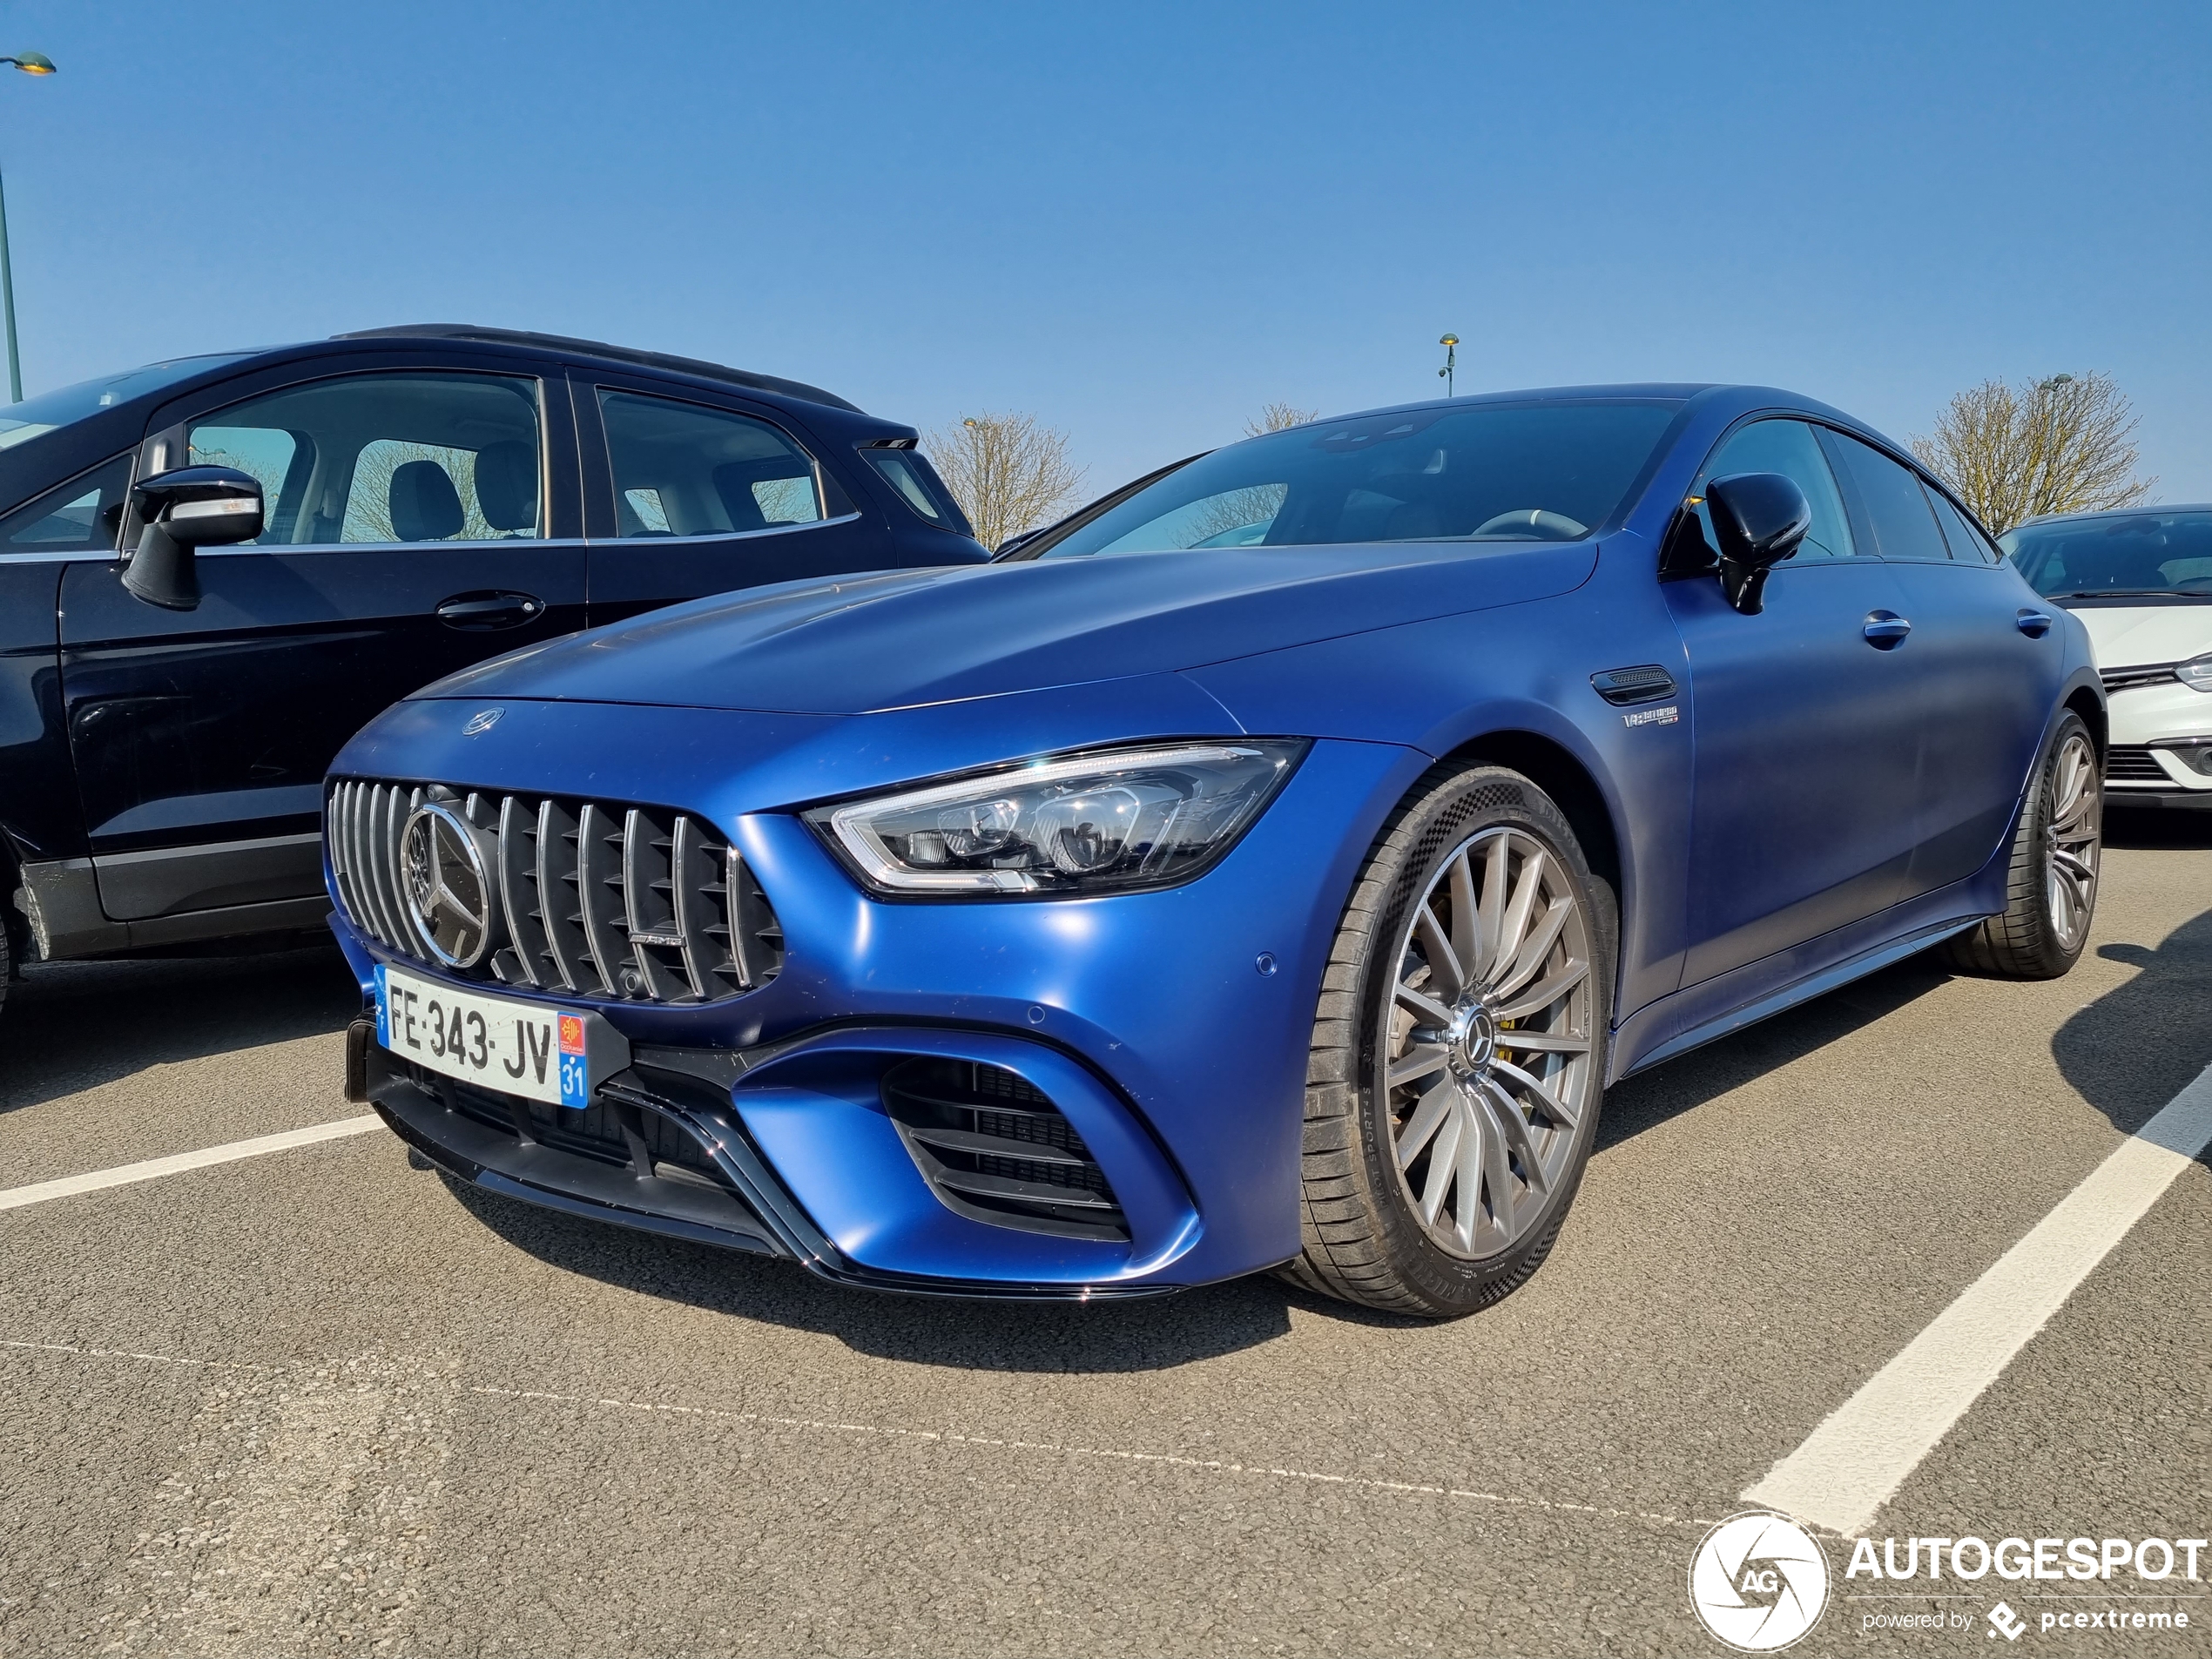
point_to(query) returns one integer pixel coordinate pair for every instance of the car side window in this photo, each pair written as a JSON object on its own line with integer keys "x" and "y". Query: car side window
{"x": 1789, "y": 448}
{"x": 1904, "y": 522}
{"x": 405, "y": 456}
{"x": 687, "y": 469}
{"x": 80, "y": 516}
{"x": 1967, "y": 546}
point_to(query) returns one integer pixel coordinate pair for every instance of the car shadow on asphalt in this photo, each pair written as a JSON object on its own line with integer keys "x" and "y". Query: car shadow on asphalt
{"x": 73, "y": 1026}
{"x": 1650, "y": 1099}
{"x": 2136, "y": 1047}
{"x": 1151, "y": 1333}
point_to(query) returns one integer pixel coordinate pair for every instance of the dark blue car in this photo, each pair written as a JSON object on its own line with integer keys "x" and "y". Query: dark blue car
{"x": 1269, "y": 867}
{"x": 366, "y": 515}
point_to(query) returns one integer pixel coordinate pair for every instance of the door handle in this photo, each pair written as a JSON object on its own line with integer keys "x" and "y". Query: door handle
{"x": 1886, "y": 630}
{"x": 2033, "y": 624}
{"x": 482, "y": 612}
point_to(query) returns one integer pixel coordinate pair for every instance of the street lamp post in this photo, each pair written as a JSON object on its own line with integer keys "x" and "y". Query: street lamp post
{"x": 1450, "y": 343}
{"x": 30, "y": 64}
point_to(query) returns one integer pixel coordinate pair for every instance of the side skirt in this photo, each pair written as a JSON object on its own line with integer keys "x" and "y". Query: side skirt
{"x": 1804, "y": 990}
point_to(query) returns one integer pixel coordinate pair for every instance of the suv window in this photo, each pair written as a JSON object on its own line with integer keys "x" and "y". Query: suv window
{"x": 1967, "y": 546}
{"x": 686, "y": 470}
{"x": 1904, "y": 522}
{"x": 1789, "y": 448}
{"x": 80, "y": 516}
{"x": 406, "y": 456}
{"x": 909, "y": 473}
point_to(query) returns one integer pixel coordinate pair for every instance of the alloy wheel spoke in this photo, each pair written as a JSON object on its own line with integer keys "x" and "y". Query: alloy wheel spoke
{"x": 1495, "y": 864}
{"x": 1506, "y": 1114}
{"x": 1543, "y": 1042}
{"x": 1537, "y": 948}
{"x": 1418, "y": 1061}
{"x": 1467, "y": 1210}
{"x": 1466, "y": 921}
{"x": 1422, "y": 1003}
{"x": 1442, "y": 1159}
{"x": 1436, "y": 1106}
{"x": 1443, "y": 963}
{"x": 1551, "y": 991}
{"x": 1514, "y": 931}
{"x": 1540, "y": 1092}
{"x": 1497, "y": 1172}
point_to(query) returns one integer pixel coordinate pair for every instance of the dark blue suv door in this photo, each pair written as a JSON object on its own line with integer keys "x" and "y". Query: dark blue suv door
{"x": 421, "y": 516}
{"x": 689, "y": 492}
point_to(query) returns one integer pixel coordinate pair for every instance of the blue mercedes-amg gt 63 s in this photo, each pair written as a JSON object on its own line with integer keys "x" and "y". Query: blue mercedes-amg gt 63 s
{"x": 1269, "y": 866}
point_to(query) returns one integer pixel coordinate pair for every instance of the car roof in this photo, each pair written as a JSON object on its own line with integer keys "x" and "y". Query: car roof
{"x": 569, "y": 345}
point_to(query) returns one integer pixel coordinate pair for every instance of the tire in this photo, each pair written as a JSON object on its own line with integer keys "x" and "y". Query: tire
{"x": 2051, "y": 887}
{"x": 1408, "y": 1052}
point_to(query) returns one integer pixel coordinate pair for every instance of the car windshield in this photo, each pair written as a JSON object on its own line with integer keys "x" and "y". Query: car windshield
{"x": 2125, "y": 556}
{"x": 1507, "y": 472}
{"x": 35, "y": 417}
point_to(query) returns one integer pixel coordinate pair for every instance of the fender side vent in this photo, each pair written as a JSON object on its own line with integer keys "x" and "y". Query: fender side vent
{"x": 994, "y": 1148}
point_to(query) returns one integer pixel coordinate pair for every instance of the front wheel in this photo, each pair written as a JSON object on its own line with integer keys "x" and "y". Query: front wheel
{"x": 2051, "y": 895}
{"x": 1458, "y": 1057}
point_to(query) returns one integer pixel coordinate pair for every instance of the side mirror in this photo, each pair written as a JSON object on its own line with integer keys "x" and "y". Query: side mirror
{"x": 190, "y": 507}
{"x": 1759, "y": 518}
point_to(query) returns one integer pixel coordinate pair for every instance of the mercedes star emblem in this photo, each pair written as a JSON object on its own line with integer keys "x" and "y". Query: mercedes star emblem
{"x": 448, "y": 885}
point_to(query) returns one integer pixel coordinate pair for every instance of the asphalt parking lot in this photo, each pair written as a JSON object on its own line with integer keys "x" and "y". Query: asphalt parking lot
{"x": 321, "y": 1402}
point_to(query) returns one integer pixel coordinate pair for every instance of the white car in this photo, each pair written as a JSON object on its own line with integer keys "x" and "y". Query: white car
{"x": 2140, "y": 579}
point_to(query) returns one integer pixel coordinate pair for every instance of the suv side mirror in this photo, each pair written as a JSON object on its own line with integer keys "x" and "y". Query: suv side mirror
{"x": 1759, "y": 518}
{"x": 190, "y": 507}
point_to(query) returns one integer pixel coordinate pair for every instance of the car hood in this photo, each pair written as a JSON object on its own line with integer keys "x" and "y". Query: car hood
{"x": 901, "y": 638}
{"x": 2132, "y": 636}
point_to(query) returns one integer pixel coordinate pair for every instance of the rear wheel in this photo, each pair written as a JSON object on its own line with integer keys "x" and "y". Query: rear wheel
{"x": 1458, "y": 1057}
{"x": 2052, "y": 890}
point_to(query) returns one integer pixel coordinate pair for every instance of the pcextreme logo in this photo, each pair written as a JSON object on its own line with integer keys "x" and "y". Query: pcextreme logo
{"x": 1758, "y": 1582}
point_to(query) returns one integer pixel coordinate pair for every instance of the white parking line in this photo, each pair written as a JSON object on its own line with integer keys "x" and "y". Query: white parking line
{"x": 153, "y": 1168}
{"x": 1852, "y": 1465}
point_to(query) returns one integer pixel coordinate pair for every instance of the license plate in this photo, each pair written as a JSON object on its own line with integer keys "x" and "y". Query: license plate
{"x": 524, "y": 1048}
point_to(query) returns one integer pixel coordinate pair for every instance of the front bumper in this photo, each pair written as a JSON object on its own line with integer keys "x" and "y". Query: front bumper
{"x": 2150, "y": 727}
{"x": 1169, "y": 1029}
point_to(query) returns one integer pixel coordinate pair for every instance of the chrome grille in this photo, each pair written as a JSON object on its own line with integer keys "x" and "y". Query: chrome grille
{"x": 596, "y": 899}
{"x": 2122, "y": 679}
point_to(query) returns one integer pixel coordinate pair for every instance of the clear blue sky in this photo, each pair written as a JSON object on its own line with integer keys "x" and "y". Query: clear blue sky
{"x": 1142, "y": 222}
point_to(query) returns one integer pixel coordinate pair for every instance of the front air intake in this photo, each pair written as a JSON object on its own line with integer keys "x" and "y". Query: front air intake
{"x": 994, "y": 1148}
{"x": 588, "y": 898}
{"x": 2134, "y": 764}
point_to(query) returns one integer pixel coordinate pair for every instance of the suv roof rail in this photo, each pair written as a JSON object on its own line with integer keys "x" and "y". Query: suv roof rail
{"x": 614, "y": 354}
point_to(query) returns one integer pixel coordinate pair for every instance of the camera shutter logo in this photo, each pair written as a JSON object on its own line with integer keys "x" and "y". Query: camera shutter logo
{"x": 447, "y": 882}
{"x": 1758, "y": 1582}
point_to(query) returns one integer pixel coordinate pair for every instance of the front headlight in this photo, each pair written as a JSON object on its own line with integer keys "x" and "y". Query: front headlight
{"x": 1104, "y": 822}
{"x": 2196, "y": 673}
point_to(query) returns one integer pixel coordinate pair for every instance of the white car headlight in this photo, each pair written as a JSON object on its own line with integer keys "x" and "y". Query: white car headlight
{"x": 1104, "y": 822}
{"x": 2196, "y": 673}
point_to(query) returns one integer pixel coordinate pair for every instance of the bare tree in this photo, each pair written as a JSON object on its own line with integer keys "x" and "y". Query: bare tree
{"x": 1008, "y": 472}
{"x": 2063, "y": 445}
{"x": 1280, "y": 417}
